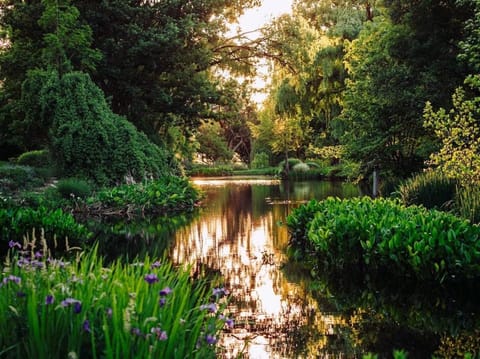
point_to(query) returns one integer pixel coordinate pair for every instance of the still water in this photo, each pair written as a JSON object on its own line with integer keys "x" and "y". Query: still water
{"x": 241, "y": 236}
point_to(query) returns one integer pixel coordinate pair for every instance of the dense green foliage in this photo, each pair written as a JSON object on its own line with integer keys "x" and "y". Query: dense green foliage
{"x": 155, "y": 61}
{"x": 432, "y": 189}
{"x": 56, "y": 225}
{"x": 50, "y": 308}
{"x": 89, "y": 141}
{"x": 36, "y": 158}
{"x": 73, "y": 187}
{"x": 168, "y": 194}
{"x": 384, "y": 236}
{"x": 14, "y": 177}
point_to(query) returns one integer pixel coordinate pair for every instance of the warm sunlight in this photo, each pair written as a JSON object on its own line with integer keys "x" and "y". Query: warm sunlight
{"x": 254, "y": 19}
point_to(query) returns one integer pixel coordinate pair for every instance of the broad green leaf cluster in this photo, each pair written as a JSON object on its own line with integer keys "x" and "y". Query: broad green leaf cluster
{"x": 383, "y": 236}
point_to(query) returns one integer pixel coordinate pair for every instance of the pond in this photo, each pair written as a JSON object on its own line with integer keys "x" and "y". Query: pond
{"x": 239, "y": 235}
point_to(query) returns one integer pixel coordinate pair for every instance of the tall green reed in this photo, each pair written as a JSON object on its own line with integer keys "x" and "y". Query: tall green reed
{"x": 57, "y": 309}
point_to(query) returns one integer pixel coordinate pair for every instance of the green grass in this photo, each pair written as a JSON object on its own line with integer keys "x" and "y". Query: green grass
{"x": 82, "y": 308}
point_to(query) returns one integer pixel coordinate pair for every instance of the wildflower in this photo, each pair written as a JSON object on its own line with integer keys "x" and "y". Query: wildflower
{"x": 109, "y": 312}
{"x": 161, "y": 334}
{"x": 210, "y": 339}
{"x": 49, "y": 299}
{"x": 165, "y": 291}
{"x": 151, "y": 278}
{"x": 136, "y": 332}
{"x": 21, "y": 294}
{"x": 156, "y": 264}
{"x": 220, "y": 292}
{"x": 230, "y": 323}
{"x": 86, "y": 326}
{"x": 162, "y": 301}
{"x": 12, "y": 278}
{"x": 38, "y": 255}
{"x": 212, "y": 307}
{"x": 77, "y": 307}
{"x": 22, "y": 262}
{"x": 12, "y": 244}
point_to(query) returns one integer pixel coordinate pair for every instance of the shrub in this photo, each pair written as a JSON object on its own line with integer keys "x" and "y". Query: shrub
{"x": 382, "y": 235}
{"x": 73, "y": 187}
{"x": 300, "y": 167}
{"x": 87, "y": 140}
{"x": 15, "y": 223}
{"x": 37, "y": 158}
{"x": 163, "y": 195}
{"x": 14, "y": 177}
{"x": 431, "y": 189}
{"x": 260, "y": 160}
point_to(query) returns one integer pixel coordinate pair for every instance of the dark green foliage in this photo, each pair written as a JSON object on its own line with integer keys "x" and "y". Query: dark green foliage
{"x": 13, "y": 177}
{"x": 260, "y": 160}
{"x": 431, "y": 189}
{"x": 384, "y": 236}
{"x": 73, "y": 187}
{"x": 89, "y": 141}
{"x": 36, "y": 158}
{"x": 168, "y": 194}
{"x": 15, "y": 223}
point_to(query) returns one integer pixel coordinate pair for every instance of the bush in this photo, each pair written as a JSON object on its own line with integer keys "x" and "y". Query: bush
{"x": 383, "y": 236}
{"x": 168, "y": 194}
{"x": 88, "y": 140}
{"x": 260, "y": 160}
{"x": 15, "y": 223}
{"x": 300, "y": 167}
{"x": 431, "y": 189}
{"x": 75, "y": 187}
{"x": 13, "y": 177}
{"x": 37, "y": 158}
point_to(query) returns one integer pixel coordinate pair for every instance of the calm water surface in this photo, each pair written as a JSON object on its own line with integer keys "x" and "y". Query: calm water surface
{"x": 241, "y": 236}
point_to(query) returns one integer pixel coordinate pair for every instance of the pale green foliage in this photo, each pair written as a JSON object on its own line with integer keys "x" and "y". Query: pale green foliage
{"x": 459, "y": 133}
{"x": 213, "y": 145}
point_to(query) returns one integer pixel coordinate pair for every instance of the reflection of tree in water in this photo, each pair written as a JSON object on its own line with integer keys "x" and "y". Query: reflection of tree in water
{"x": 237, "y": 237}
{"x": 383, "y": 315}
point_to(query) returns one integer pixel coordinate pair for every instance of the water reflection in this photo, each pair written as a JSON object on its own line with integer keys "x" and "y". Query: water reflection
{"x": 240, "y": 235}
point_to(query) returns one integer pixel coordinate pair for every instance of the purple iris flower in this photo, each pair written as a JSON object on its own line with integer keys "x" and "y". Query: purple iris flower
{"x": 162, "y": 301}
{"x": 161, "y": 334}
{"x": 77, "y": 305}
{"x": 156, "y": 264}
{"x": 210, "y": 339}
{"x": 109, "y": 312}
{"x": 219, "y": 292}
{"x": 86, "y": 326}
{"x": 49, "y": 299}
{"x": 151, "y": 278}
{"x": 12, "y": 244}
{"x": 12, "y": 278}
{"x": 165, "y": 291}
{"x": 212, "y": 307}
